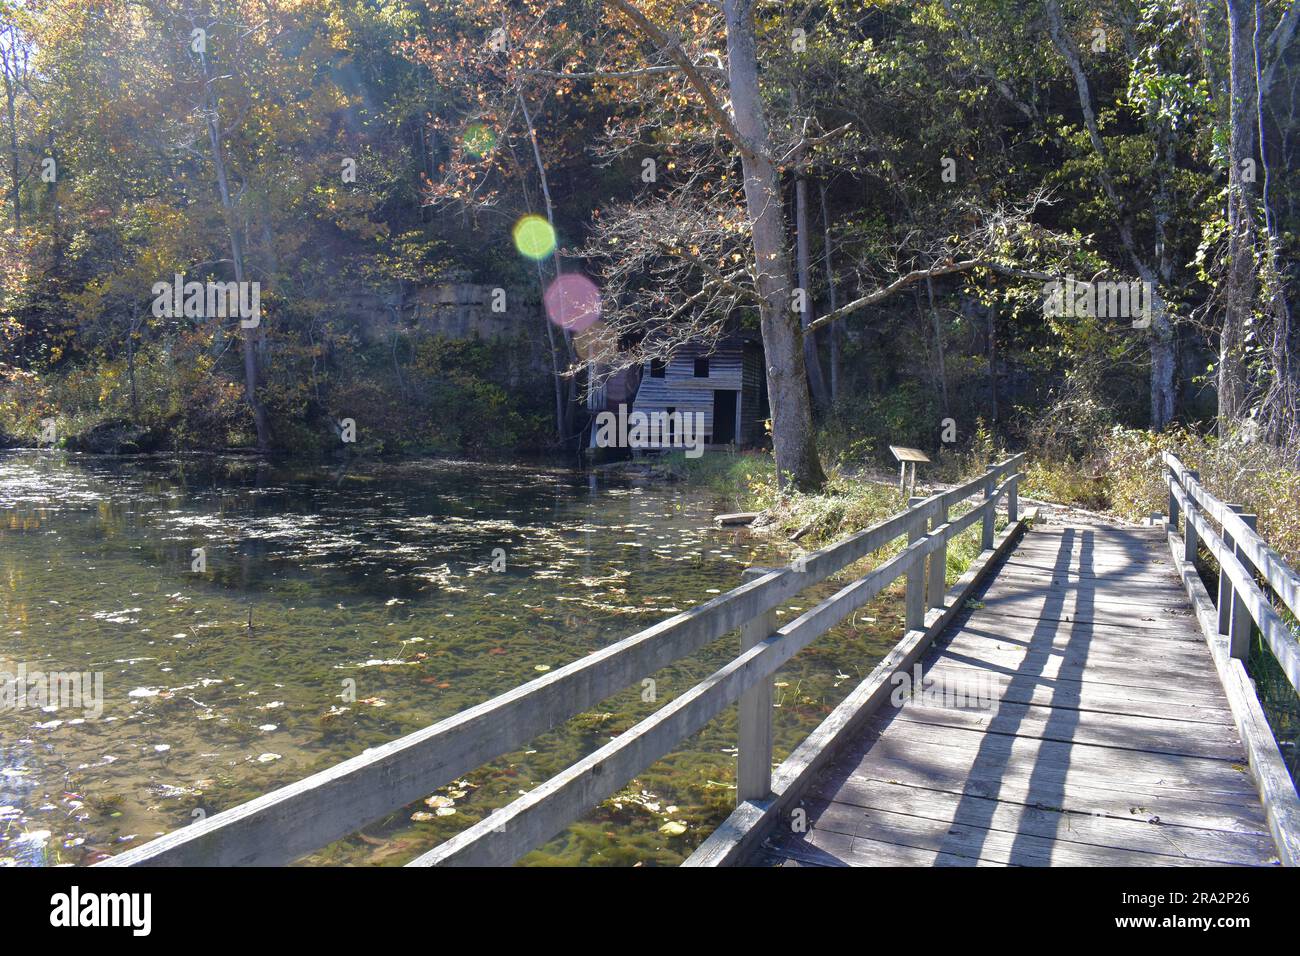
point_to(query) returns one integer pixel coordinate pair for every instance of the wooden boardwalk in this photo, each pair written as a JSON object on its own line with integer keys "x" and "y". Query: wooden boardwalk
{"x": 1070, "y": 715}
{"x": 1079, "y": 700}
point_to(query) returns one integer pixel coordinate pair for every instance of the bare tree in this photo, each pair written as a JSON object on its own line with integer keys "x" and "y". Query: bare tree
{"x": 745, "y": 125}
{"x": 15, "y": 57}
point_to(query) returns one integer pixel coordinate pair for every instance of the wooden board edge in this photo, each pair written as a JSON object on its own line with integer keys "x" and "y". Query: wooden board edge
{"x": 1276, "y": 790}
{"x": 737, "y": 837}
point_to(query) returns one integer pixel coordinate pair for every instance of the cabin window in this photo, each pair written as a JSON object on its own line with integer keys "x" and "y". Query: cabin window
{"x": 701, "y": 368}
{"x": 657, "y": 368}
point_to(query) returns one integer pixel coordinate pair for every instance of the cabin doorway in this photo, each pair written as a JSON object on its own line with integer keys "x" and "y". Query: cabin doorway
{"x": 724, "y": 417}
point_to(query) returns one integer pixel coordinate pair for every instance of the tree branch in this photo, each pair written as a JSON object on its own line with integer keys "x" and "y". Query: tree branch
{"x": 694, "y": 77}
{"x": 916, "y": 275}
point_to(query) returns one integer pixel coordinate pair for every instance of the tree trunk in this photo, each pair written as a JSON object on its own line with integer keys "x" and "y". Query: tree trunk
{"x": 837, "y": 328}
{"x": 556, "y": 372}
{"x": 130, "y": 368}
{"x": 1163, "y": 340}
{"x": 787, "y": 380}
{"x": 941, "y": 364}
{"x": 251, "y": 336}
{"x": 811, "y": 358}
{"x": 568, "y": 388}
{"x": 1161, "y": 337}
{"x": 11, "y": 94}
{"x": 1239, "y": 295}
{"x": 1281, "y": 406}
{"x": 992, "y": 331}
{"x": 1163, "y": 349}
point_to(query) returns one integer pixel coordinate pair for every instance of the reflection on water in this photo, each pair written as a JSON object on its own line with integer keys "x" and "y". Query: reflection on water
{"x": 337, "y": 609}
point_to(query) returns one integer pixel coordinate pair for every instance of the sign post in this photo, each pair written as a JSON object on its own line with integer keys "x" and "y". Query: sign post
{"x": 907, "y": 456}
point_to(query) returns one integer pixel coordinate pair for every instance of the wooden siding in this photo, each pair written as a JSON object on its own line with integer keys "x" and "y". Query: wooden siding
{"x": 753, "y": 396}
{"x": 679, "y": 389}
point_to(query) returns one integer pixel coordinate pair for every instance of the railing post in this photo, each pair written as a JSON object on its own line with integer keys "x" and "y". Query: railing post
{"x": 754, "y": 747}
{"x": 915, "y": 594}
{"x": 938, "y": 583}
{"x": 1013, "y": 501}
{"x": 1225, "y": 583}
{"x": 1239, "y": 619}
{"x": 1173, "y": 500}
{"x": 990, "y": 512}
{"x": 1190, "y": 541}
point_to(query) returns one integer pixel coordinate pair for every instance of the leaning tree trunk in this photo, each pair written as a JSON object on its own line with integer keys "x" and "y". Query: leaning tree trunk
{"x": 1239, "y": 295}
{"x": 787, "y": 380}
{"x": 567, "y": 388}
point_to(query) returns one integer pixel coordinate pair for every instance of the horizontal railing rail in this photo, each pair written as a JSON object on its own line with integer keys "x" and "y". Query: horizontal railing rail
{"x": 1247, "y": 565}
{"x": 1243, "y": 557}
{"x": 297, "y": 819}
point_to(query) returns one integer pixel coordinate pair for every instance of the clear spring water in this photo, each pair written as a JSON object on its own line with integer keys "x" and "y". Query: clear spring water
{"x": 222, "y": 684}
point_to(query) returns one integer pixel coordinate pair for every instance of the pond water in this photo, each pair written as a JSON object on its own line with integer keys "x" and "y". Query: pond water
{"x": 338, "y": 608}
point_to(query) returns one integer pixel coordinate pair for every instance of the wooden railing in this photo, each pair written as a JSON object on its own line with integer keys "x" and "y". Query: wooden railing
{"x": 1246, "y": 566}
{"x": 297, "y": 819}
{"x": 1244, "y": 560}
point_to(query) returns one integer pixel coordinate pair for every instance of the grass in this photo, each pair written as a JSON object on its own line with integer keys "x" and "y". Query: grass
{"x": 847, "y": 504}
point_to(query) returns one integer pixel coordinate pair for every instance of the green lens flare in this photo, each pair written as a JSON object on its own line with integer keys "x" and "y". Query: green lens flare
{"x": 534, "y": 237}
{"x": 478, "y": 140}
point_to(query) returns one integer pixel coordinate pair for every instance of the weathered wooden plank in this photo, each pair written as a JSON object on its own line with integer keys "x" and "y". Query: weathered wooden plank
{"x": 735, "y": 519}
{"x": 1130, "y": 832}
{"x": 1100, "y": 632}
{"x": 1118, "y": 587}
{"x": 1165, "y": 603}
{"x": 1087, "y": 728}
{"x": 976, "y": 843}
{"x": 1094, "y": 764}
{"x": 1081, "y": 645}
{"x": 1076, "y": 695}
{"x": 828, "y": 848}
{"x": 1152, "y": 570}
{"x": 1071, "y": 665}
{"x": 960, "y": 771}
{"x": 1065, "y": 606}
{"x": 1019, "y": 846}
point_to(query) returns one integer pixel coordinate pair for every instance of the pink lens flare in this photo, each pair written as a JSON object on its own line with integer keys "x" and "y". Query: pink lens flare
{"x": 572, "y": 302}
